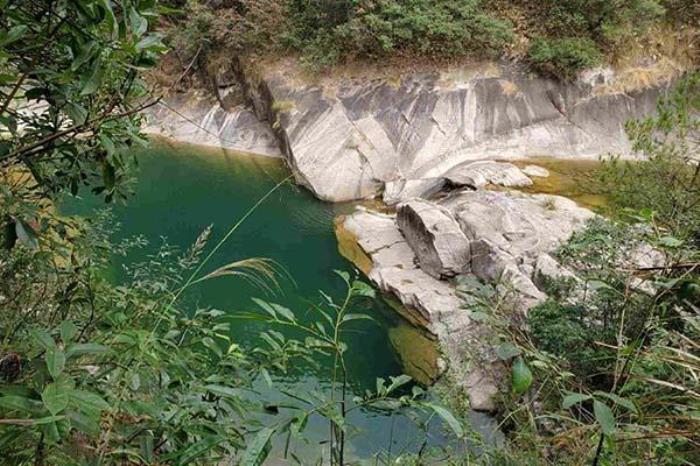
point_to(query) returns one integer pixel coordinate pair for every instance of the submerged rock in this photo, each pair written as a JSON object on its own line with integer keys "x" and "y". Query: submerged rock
{"x": 536, "y": 171}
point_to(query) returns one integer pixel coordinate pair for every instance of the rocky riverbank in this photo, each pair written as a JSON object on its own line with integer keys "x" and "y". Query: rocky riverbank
{"x": 503, "y": 238}
{"x": 427, "y": 145}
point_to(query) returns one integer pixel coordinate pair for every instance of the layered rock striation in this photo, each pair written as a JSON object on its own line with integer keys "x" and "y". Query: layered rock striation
{"x": 361, "y": 139}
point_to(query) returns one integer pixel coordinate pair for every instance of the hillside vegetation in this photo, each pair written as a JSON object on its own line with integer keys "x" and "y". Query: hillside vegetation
{"x": 553, "y": 37}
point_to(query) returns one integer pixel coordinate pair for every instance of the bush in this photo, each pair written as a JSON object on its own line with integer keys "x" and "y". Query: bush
{"x": 563, "y": 58}
{"x": 566, "y": 331}
{"x": 603, "y": 21}
{"x": 331, "y": 31}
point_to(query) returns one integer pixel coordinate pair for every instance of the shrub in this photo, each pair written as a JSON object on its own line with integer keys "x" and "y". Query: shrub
{"x": 563, "y": 58}
{"x": 566, "y": 331}
{"x": 443, "y": 28}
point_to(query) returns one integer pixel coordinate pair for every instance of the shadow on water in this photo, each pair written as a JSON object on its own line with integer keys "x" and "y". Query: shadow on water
{"x": 183, "y": 189}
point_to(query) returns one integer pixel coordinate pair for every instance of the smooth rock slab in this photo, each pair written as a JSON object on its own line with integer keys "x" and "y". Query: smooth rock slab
{"x": 536, "y": 171}
{"x": 479, "y": 174}
{"x": 347, "y": 140}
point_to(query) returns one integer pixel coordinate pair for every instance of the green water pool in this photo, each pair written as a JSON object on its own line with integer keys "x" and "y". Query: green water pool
{"x": 183, "y": 189}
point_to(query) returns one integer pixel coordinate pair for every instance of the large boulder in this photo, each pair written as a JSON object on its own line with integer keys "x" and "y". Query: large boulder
{"x": 523, "y": 225}
{"x": 435, "y": 237}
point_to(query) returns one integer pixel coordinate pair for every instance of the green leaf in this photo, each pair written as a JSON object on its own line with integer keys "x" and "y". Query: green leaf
{"x": 89, "y": 403}
{"x": 360, "y": 288}
{"x": 266, "y": 376}
{"x": 26, "y": 234}
{"x": 211, "y": 344}
{"x": 344, "y": 275}
{"x": 604, "y": 416}
{"x": 522, "y": 376}
{"x": 55, "y": 398}
{"x": 138, "y": 23}
{"x": 148, "y": 42}
{"x": 625, "y": 402}
{"x": 86, "y": 424}
{"x": 397, "y": 382}
{"x": 194, "y": 451}
{"x": 43, "y": 339}
{"x": 257, "y": 451}
{"x": 68, "y": 331}
{"x": 20, "y": 403}
{"x": 599, "y": 285}
{"x": 356, "y": 316}
{"x": 265, "y": 307}
{"x": 222, "y": 390}
{"x": 47, "y": 420}
{"x": 109, "y": 17}
{"x": 14, "y": 34}
{"x": 574, "y": 398}
{"x": 670, "y": 242}
{"x": 76, "y": 112}
{"x": 507, "y": 351}
{"x": 92, "y": 83}
{"x": 108, "y": 146}
{"x": 55, "y": 362}
{"x": 285, "y": 312}
{"x": 447, "y": 416}
{"x": 81, "y": 349}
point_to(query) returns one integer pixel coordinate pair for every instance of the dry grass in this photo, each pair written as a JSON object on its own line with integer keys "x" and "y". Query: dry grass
{"x": 509, "y": 88}
{"x": 656, "y": 58}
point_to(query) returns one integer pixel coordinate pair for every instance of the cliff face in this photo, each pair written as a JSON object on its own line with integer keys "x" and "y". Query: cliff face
{"x": 361, "y": 139}
{"x": 198, "y": 119}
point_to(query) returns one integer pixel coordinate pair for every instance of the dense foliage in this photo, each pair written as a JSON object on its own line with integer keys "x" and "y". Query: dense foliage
{"x": 561, "y": 37}
{"x": 329, "y": 31}
{"x": 606, "y": 369}
{"x": 97, "y": 372}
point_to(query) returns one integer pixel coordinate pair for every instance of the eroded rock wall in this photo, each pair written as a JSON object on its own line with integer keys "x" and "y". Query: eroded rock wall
{"x": 197, "y": 119}
{"x": 352, "y": 141}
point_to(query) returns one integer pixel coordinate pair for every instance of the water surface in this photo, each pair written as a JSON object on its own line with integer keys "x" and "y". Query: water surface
{"x": 183, "y": 189}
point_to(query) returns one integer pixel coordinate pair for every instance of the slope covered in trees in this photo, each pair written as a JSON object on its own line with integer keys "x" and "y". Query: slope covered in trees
{"x": 554, "y": 37}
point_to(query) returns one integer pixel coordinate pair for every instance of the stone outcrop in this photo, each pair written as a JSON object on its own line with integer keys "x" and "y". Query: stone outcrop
{"x": 351, "y": 140}
{"x": 201, "y": 120}
{"x": 505, "y": 240}
{"x": 482, "y": 173}
{"x": 359, "y": 139}
{"x": 435, "y": 237}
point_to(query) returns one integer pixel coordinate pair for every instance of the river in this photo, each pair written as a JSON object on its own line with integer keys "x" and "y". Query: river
{"x": 182, "y": 189}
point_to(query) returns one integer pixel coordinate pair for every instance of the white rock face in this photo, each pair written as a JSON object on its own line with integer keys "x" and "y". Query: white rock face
{"x": 194, "y": 120}
{"x": 435, "y": 238}
{"x": 503, "y": 238}
{"x": 351, "y": 141}
{"x": 534, "y": 170}
{"x": 479, "y": 174}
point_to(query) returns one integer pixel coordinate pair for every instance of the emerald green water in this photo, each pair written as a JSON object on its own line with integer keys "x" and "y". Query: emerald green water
{"x": 183, "y": 189}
